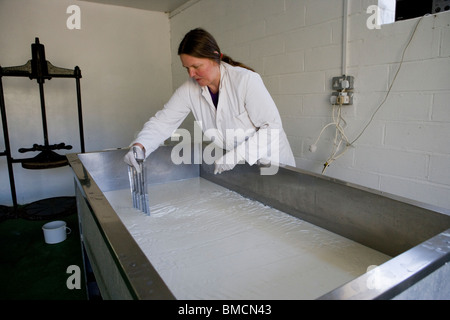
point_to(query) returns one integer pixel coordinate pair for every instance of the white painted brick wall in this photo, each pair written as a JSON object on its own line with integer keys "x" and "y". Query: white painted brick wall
{"x": 391, "y": 162}
{"x": 124, "y": 57}
{"x": 441, "y": 107}
{"x": 291, "y": 62}
{"x": 323, "y": 58}
{"x": 422, "y": 137}
{"x": 302, "y": 83}
{"x": 439, "y": 171}
{"x": 296, "y": 46}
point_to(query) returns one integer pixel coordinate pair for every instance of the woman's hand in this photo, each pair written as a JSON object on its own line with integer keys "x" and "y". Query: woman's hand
{"x": 136, "y": 152}
{"x": 227, "y": 162}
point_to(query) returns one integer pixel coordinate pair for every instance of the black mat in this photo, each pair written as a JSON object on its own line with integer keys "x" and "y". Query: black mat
{"x": 30, "y": 269}
{"x": 51, "y": 208}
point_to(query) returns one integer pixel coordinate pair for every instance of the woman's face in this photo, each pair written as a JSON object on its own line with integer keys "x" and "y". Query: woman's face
{"x": 205, "y": 71}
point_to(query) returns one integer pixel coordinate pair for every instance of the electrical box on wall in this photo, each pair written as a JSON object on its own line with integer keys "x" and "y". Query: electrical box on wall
{"x": 342, "y": 83}
{"x": 343, "y": 90}
{"x": 342, "y": 98}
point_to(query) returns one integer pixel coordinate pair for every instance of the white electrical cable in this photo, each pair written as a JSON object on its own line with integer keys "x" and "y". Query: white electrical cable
{"x": 339, "y": 123}
{"x": 392, "y": 83}
{"x": 340, "y": 134}
{"x": 339, "y": 138}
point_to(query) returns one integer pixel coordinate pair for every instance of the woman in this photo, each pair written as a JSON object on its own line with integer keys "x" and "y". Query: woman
{"x": 225, "y": 97}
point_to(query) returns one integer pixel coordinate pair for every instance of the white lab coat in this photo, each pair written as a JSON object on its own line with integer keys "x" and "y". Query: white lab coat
{"x": 244, "y": 105}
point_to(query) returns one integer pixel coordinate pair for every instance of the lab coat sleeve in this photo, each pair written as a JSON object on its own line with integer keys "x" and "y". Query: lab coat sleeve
{"x": 262, "y": 111}
{"x": 160, "y": 127}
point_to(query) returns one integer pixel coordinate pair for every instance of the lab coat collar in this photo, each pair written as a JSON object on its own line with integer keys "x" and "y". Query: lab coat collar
{"x": 205, "y": 91}
{"x": 223, "y": 71}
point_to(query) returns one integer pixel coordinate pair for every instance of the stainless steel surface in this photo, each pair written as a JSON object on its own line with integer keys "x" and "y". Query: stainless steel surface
{"x": 380, "y": 221}
{"x": 107, "y": 268}
{"x": 110, "y": 172}
{"x": 130, "y": 268}
{"x": 395, "y": 226}
{"x": 117, "y": 260}
{"x": 396, "y": 275}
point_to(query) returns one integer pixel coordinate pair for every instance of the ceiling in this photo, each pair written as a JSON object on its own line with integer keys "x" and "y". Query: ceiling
{"x": 152, "y": 5}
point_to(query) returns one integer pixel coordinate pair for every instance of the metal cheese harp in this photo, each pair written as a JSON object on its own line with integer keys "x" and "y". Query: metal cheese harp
{"x": 138, "y": 183}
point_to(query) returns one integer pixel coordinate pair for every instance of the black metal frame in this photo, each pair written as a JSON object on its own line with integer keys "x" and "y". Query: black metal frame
{"x": 40, "y": 69}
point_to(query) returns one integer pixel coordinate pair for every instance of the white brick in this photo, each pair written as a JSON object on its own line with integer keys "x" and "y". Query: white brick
{"x": 423, "y": 75}
{"x": 392, "y": 162}
{"x": 411, "y": 106}
{"x": 225, "y": 39}
{"x": 442, "y": 22}
{"x": 439, "y": 169}
{"x": 261, "y": 9}
{"x": 354, "y": 7}
{"x": 370, "y": 79}
{"x": 239, "y": 12}
{"x": 309, "y": 37}
{"x": 441, "y": 107}
{"x": 256, "y": 64}
{"x": 308, "y": 165}
{"x": 272, "y": 84}
{"x": 296, "y": 145}
{"x": 283, "y": 63}
{"x": 366, "y": 103}
{"x": 372, "y": 135}
{"x": 389, "y": 42}
{"x": 445, "y": 43}
{"x": 303, "y": 127}
{"x": 336, "y": 32}
{"x": 317, "y": 105}
{"x": 307, "y": 82}
{"x": 354, "y": 53}
{"x": 426, "y": 137}
{"x": 323, "y": 58}
{"x": 425, "y": 43}
{"x": 292, "y": 18}
{"x": 289, "y": 105}
{"x": 267, "y": 46}
{"x": 239, "y": 53}
{"x": 380, "y": 50}
{"x": 318, "y": 11}
{"x": 357, "y": 29}
{"x": 417, "y": 190}
{"x": 249, "y": 33}
{"x": 442, "y": 19}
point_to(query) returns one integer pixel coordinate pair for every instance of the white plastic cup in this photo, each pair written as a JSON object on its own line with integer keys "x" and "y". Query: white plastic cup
{"x": 55, "y": 231}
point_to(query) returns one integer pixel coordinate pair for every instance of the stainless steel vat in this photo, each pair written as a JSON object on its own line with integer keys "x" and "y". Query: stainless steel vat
{"x": 415, "y": 235}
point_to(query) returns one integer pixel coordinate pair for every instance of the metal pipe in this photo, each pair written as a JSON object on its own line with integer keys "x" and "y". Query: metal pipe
{"x": 7, "y": 145}
{"x": 44, "y": 116}
{"x": 80, "y": 115}
{"x": 344, "y": 37}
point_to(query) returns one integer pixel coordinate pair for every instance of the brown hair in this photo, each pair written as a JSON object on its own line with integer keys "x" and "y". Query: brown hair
{"x": 200, "y": 43}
